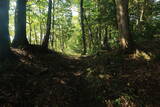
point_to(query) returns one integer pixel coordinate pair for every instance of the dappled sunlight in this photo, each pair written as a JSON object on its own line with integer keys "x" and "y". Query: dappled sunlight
{"x": 142, "y": 55}
{"x": 79, "y": 53}
{"x": 123, "y": 101}
{"x": 123, "y": 76}
{"x": 105, "y": 76}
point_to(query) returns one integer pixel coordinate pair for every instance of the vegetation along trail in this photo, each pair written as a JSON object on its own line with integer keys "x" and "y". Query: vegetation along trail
{"x": 79, "y": 53}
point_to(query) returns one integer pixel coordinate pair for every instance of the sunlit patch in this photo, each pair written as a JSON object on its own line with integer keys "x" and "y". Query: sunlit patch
{"x": 123, "y": 101}
{"x": 105, "y": 76}
{"x": 141, "y": 54}
{"x": 124, "y": 42}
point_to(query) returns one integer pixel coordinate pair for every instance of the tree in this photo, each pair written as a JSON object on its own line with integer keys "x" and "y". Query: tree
{"x": 105, "y": 44}
{"x": 46, "y": 38}
{"x": 20, "y": 38}
{"x": 82, "y": 27}
{"x": 53, "y": 23}
{"x": 126, "y": 40}
{"x": 4, "y": 32}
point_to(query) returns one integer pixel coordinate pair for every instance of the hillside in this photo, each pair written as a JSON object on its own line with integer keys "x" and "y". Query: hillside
{"x": 51, "y": 79}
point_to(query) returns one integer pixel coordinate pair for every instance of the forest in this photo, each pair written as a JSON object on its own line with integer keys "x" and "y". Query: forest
{"x": 79, "y": 53}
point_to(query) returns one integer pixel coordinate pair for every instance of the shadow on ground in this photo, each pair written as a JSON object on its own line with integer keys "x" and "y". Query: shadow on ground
{"x": 50, "y": 79}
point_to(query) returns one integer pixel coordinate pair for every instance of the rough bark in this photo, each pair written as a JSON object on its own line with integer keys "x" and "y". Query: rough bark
{"x": 20, "y": 39}
{"x": 126, "y": 40}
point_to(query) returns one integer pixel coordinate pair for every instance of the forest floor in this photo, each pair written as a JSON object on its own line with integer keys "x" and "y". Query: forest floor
{"x": 39, "y": 78}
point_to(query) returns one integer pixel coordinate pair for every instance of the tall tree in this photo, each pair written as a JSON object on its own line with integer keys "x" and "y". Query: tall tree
{"x": 20, "y": 38}
{"x": 53, "y": 23}
{"x": 4, "y": 32}
{"x": 48, "y": 32}
{"x": 126, "y": 40}
{"x": 82, "y": 27}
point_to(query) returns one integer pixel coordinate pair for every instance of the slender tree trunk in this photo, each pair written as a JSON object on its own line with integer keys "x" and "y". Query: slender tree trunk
{"x": 30, "y": 30}
{"x": 30, "y": 33}
{"x": 105, "y": 41}
{"x": 126, "y": 40}
{"x": 35, "y": 35}
{"x": 100, "y": 34}
{"x": 4, "y": 33}
{"x": 62, "y": 41}
{"x": 82, "y": 27}
{"x": 52, "y": 38}
{"x": 46, "y": 38}
{"x": 89, "y": 32}
{"x": 20, "y": 38}
{"x": 89, "y": 28}
{"x": 97, "y": 37}
{"x": 100, "y": 10}
{"x": 41, "y": 32}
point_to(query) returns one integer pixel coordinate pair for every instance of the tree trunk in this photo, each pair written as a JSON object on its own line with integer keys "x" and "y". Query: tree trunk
{"x": 46, "y": 38}
{"x": 53, "y": 22}
{"x": 41, "y": 32}
{"x": 20, "y": 39}
{"x": 82, "y": 27}
{"x": 4, "y": 32}
{"x": 89, "y": 32}
{"x": 126, "y": 40}
{"x": 30, "y": 29}
{"x": 35, "y": 35}
{"x": 105, "y": 41}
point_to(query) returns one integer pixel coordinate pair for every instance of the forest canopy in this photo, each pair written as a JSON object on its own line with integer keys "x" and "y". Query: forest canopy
{"x": 99, "y": 28}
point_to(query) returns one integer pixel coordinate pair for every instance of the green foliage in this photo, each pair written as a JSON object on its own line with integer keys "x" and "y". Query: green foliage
{"x": 99, "y": 19}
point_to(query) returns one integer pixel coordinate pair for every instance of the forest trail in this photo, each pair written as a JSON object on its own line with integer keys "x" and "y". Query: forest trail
{"x": 43, "y": 79}
{"x": 120, "y": 37}
{"x": 54, "y": 80}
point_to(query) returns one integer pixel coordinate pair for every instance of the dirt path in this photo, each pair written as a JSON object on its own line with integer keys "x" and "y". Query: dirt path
{"x": 55, "y": 80}
{"x": 44, "y": 80}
